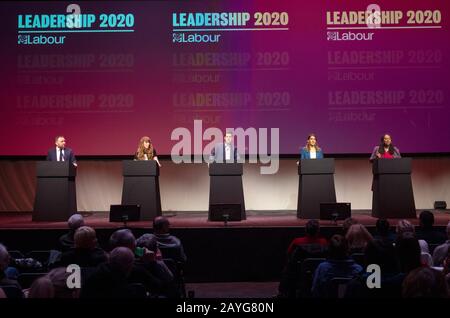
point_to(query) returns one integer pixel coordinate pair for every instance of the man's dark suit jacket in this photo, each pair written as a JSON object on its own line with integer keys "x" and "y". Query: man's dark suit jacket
{"x": 68, "y": 155}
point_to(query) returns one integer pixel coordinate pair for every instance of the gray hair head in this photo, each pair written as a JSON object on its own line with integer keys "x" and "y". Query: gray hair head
{"x": 122, "y": 238}
{"x": 75, "y": 221}
{"x": 148, "y": 241}
{"x": 122, "y": 259}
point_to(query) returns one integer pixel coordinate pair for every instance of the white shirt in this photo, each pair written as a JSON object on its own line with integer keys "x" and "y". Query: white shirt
{"x": 312, "y": 154}
{"x": 227, "y": 152}
{"x": 145, "y": 156}
{"x": 58, "y": 153}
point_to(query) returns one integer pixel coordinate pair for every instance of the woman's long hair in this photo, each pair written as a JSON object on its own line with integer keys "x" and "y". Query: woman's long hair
{"x": 142, "y": 151}
{"x": 308, "y": 147}
{"x": 381, "y": 147}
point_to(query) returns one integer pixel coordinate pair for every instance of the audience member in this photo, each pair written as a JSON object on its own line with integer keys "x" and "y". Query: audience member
{"x": 441, "y": 251}
{"x": 169, "y": 245}
{"x": 85, "y": 252}
{"x": 66, "y": 241}
{"x": 312, "y": 237}
{"x": 357, "y": 238}
{"x": 347, "y": 223}
{"x": 424, "y": 282}
{"x": 427, "y": 231}
{"x": 384, "y": 233}
{"x": 338, "y": 264}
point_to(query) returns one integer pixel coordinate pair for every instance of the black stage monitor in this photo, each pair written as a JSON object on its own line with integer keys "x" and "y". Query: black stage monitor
{"x": 440, "y": 205}
{"x": 335, "y": 211}
{"x": 225, "y": 212}
{"x": 124, "y": 213}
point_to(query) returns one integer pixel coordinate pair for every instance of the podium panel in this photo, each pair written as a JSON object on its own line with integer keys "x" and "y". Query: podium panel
{"x": 316, "y": 185}
{"x": 141, "y": 187}
{"x": 55, "y": 191}
{"x": 225, "y": 187}
{"x": 393, "y": 195}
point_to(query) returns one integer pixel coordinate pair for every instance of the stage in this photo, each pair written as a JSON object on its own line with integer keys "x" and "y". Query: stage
{"x": 197, "y": 219}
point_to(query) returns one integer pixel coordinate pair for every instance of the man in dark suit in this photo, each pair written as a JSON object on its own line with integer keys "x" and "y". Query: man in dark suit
{"x": 225, "y": 152}
{"x": 60, "y": 152}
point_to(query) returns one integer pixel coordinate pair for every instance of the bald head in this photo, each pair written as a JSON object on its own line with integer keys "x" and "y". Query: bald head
{"x": 75, "y": 221}
{"x": 122, "y": 259}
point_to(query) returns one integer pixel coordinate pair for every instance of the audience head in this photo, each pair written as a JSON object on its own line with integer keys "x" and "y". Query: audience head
{"x": 42, "y": 288}
{"x": 161, "y": 225}
{"x": 85, "y": 238}
{"x": 58, "y": 277}
{"x": 446, "y": 264}
{"x": 357, "y": 236}
{"x": 381, "y": 253}
{"x": 4, "y": 258}
{"x": 122, "y": 238}
{"x": 404, "y": 226}
{"x": 408, "y": 252}
{"x": 347, "y": 223}
{"x": 338, "y": 247}
{"x": 312, "y": 228}
{"x": 424, "y": 282}
{"x": 75, "y": 221}
{"x": 121, "y": 259}
{"x": 383, "y": 227}
{"x": 448, "y": 230}
{"x": 148, "y": 241}
{"x": 426, "y": 219}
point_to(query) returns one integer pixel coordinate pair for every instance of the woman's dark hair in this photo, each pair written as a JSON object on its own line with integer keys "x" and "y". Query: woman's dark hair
{"x": 381, "y": 147}
{"x": 424, "y": 282}
{"x": 338, "y": 247}
{"x": 312, "y": 228}
{"x": 307, "y": 144}
{"x": 408, "y": 252}
{"x": 383, "y": 227}
{"x": 383, "y": 254}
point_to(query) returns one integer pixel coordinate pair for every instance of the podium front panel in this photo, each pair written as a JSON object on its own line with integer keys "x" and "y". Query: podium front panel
{"x": 392, "y": 166}
{"x": 316, "y": 166}
{"x": 55, "y": 169}
{"x": 226, "y": 169}
{"x": 140, "y": 168}
{"x": 55, "y": 198}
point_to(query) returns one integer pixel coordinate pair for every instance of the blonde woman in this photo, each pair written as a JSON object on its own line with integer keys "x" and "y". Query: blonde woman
{"x": 358, "y": 237}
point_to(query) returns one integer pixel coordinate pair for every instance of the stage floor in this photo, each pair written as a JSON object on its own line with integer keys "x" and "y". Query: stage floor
{"x": 260, "y": 219}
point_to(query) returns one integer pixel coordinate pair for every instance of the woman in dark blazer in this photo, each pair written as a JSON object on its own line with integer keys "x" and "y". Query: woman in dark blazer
{"x": 386, "y": 150}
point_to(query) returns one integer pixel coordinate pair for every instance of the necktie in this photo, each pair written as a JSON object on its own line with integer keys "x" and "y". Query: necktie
{"x": 61, "y": 156}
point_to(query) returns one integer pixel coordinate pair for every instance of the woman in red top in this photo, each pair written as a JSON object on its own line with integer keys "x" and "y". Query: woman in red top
{"x": 386, "y": 150}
